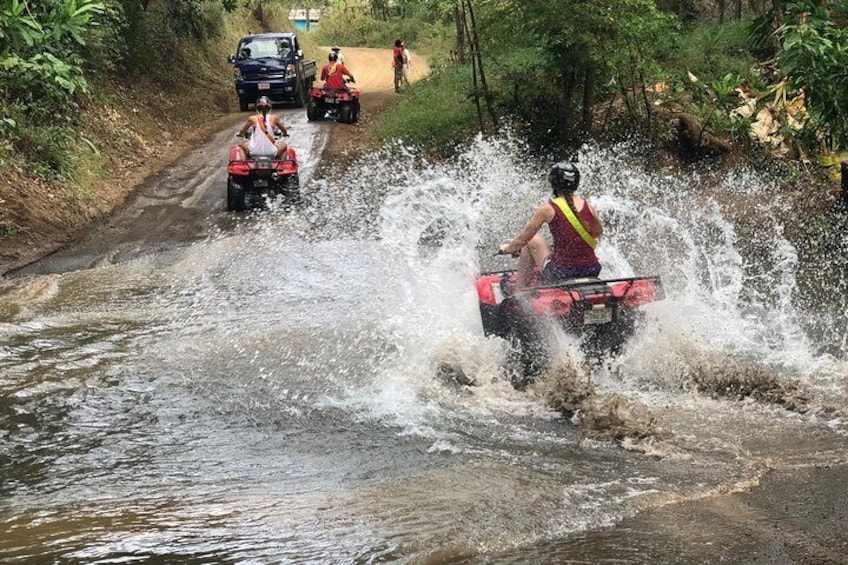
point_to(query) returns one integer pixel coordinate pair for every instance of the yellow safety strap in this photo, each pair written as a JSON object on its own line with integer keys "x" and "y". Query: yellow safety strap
{"x": 575, "y": 223}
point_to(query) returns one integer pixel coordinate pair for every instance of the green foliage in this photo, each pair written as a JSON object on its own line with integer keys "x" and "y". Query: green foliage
{"x": 40, "y": 73}
{"x": 356, "y": 27}
{"x": 434, "y": 112}
{"x": 813, "y": 54}
{"x": 711, "y": 51}
{"x": 713, "y": 103}
{"x": 196, "y": 19}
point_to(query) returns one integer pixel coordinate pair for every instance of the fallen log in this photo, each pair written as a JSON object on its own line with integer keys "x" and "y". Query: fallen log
{"x": 690, "y": 132}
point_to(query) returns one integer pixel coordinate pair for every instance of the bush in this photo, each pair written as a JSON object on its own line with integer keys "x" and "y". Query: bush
{"x": 358, "y": 28}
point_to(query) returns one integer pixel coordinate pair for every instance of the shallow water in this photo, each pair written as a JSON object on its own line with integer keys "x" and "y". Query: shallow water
{"x": 271, "y": 394}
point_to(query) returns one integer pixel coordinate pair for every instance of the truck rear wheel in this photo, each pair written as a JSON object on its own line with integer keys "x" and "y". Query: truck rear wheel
{"x": 313, "y": 111}
{"x": 299, "y": 95}
{"x": 242, "y": 104}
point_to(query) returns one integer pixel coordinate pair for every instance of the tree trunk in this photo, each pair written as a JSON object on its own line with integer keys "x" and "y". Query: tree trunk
{"x": 476, "y": 92}
{"x": 648, "y": 110}
{"x": 588, "y": 99}
{"x": 738, "y": 10}
{"x": 476, "y": 46}
{"x": 777, "y": 6}
{"x": 722, "y": 4}
{"x": 459, "y": 17}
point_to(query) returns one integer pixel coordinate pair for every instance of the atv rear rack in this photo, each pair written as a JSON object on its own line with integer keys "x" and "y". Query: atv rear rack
{"x": 583, "y": 284}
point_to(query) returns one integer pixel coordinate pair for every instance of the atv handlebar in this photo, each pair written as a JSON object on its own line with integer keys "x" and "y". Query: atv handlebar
{"x": 247, "y": 135}
{"x": 502, "y": 252}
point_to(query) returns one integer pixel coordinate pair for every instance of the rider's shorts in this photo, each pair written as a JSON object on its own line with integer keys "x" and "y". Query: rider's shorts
{"x": 553, "y": 272}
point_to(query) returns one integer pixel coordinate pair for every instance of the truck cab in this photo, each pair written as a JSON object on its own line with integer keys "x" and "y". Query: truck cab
{"x": 272, "y": 65}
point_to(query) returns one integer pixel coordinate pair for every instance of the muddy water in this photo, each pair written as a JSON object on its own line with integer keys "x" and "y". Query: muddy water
{"x": 265, "y": 388}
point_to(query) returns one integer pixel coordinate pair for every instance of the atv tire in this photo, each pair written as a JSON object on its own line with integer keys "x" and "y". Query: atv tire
{"x": 291, "y": 191}
{"x": 243, "y": 105}
{"x": 235, "y": 198}
{"x": 528, "y": 356}
{"x": 355, "y": 117}
{"x": 313, "y": 111}
{"x": 346, "y": 113}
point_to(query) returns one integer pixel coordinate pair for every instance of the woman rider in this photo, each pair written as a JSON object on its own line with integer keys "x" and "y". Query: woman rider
{"x": 575, "y": 227}
{"x": 262, "y": 142}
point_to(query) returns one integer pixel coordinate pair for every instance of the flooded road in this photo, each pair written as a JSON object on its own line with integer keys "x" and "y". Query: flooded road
{"x": 263, "y": 388}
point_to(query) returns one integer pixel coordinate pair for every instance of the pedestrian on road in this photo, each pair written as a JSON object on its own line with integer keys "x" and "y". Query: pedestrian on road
{"x": 408, "y": 63}
{"x": 398, "y": 63}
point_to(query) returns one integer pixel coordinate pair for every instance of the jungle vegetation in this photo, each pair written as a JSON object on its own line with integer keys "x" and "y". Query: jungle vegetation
{"x": 699, "y": 72}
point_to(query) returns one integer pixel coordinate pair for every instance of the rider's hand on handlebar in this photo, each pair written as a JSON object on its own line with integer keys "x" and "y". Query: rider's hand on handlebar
{"x": 503, "y": 251}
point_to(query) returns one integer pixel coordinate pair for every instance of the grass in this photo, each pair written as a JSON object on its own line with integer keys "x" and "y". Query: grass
{"x": 434, "y": 112}
{"x": 711, "y": 51}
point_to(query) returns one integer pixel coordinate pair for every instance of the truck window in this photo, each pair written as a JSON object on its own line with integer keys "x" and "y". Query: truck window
{"x": 257, "y": 48}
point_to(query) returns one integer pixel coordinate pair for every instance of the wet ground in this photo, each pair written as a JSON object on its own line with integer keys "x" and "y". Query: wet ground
{"x": 188, "y": 385}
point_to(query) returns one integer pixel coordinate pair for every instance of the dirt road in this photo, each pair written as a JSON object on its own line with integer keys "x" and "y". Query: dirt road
{"x": 375, "y": 80}
{"x": 373, "y": 71}
{"x": 186, "y": 201}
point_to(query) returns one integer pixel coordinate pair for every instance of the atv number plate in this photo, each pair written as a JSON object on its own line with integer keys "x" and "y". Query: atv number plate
{"x": 264, "y": 86}
{"x": 329, "y": 99}
{"x": 260, "y": 183}
{"x": 600, "y": 315}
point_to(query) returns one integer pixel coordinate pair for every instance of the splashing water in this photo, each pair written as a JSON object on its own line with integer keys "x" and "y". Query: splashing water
{"x": 292, "y": 367}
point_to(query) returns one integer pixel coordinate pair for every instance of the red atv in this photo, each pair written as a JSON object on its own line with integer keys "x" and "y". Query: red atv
{"x": 252, "y": 181}
{"x": 338, "y": 104}
{"x": 603, "y": 312}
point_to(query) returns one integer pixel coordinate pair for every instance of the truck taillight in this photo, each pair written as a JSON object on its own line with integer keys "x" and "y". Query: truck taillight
{"x": 237, "y": 73}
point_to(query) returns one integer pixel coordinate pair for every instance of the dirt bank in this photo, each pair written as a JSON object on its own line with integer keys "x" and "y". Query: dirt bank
{"x": 134, "y": 131}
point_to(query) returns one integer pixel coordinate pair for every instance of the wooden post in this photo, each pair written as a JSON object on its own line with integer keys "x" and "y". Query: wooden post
{"x": 844, "y": 175}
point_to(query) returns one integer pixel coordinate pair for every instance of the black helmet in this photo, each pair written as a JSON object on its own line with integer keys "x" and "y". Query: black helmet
{"x": 333, "y": 56}
{"x": 263, "y": 105}
{"x": 564, "y": 177}
{"x": 336, "y": 48}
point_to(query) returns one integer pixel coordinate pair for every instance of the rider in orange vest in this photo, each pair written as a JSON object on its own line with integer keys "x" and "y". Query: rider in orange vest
{"x": 334, "y": 72}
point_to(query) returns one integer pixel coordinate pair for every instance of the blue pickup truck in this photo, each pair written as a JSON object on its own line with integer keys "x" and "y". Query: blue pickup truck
{"x": 272, "y": 65}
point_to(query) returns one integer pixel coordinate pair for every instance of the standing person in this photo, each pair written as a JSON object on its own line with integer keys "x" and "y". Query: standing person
{"x": 575, "y": 227}
{"x": 338, "y": 51}
{"x": 262, "y": 142}
{"x": 333, "y": 73}
{"x": 398, "y": 63}
{"x": 408, "y": 63}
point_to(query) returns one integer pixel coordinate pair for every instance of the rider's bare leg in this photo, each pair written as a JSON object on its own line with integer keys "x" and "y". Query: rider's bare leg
{"x": 282, "y": 147}
{"x": 533, "y": 255}
{"x": 245, "y": 148}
